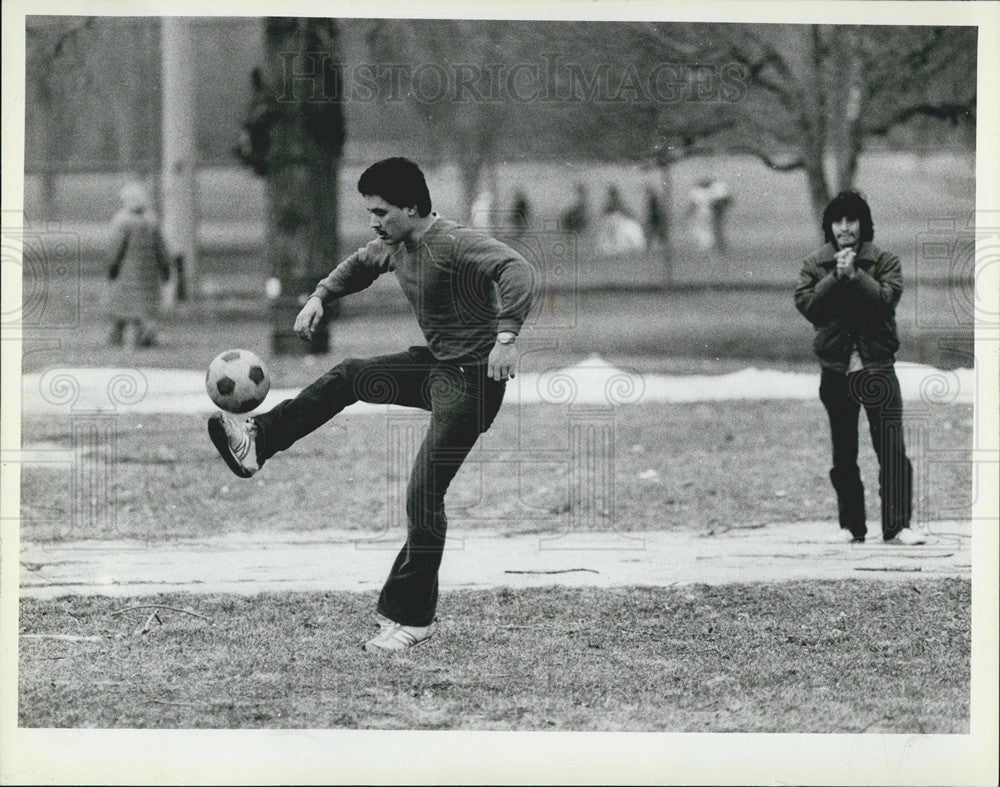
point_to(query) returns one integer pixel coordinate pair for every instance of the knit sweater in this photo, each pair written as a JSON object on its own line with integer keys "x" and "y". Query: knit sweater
{"x": 464, "y": 286}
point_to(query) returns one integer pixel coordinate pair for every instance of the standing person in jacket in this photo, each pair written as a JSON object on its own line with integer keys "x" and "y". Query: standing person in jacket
{"x": 848, "y": 289}
{"x": 470, "y": 294}
{"x": 137, "y": 269}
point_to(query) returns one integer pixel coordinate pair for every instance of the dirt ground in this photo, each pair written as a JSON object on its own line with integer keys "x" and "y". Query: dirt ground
{"x": 348, "y": 561}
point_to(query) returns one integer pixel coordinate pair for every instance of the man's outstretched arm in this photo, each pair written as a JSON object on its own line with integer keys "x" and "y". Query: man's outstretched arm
{"x": 352, "y": 275}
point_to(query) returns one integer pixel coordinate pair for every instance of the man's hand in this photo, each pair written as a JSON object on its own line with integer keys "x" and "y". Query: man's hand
{"x": 503, "y": 359}
{"x": 307, "y": 319}
{"x": 845, "y": 263}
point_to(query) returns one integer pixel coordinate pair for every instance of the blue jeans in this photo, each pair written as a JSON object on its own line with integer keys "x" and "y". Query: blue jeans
{"x": 463, "y": 402}
{"x": 877, "y": 390}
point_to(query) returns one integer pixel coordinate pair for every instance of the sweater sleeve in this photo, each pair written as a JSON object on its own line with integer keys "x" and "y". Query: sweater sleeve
{"x": 513, "y": 275}
{"x": 355, "y": 273}
{"x": 813, "y": 292}
{"x": 883, "y": 287}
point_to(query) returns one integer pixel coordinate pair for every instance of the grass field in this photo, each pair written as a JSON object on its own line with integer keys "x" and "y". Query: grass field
{"x": 803, "y": 657}
{"x": 717, "y": 466}
{"x": 645, "y": 330}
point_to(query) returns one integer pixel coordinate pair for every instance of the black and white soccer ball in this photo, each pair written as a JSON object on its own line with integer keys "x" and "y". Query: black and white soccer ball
{"x": 237, "y": 381}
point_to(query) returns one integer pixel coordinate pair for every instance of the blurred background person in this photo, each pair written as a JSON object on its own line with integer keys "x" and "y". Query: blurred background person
{"x": 613, "y": 203}
{"x": 618, "y": 232}
{"x": 656, "y": 219}
{"x": 520, "y": 212}
{"x": 137, "y": 270}
{"x": 721, "y": 201}
{"x": 699, "y": 212}
{"x": 576, "y": 218}
{"x": 709, "y": 201}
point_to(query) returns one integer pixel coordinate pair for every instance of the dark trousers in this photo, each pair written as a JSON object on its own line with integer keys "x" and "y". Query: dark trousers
{"x": 463, "y": 402}
{"x": 877, "y": 390}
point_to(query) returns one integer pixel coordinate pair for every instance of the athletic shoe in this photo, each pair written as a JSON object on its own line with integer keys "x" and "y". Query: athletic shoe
{"x": 845, "y": 536}
{"x": 236, "y": 442}
{"x": 908, "y": 538}
{"x": 395, "y": 638}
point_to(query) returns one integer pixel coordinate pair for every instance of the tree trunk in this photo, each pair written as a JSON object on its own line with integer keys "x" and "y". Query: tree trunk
{"x": 813, "y": 125}
{"x": 302, "y": 166}
{"x": 819, "y": 192}
{"x": 851, "y": 83}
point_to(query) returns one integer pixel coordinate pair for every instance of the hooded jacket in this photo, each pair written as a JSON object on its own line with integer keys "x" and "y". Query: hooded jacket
{"x": 860, "y": 312}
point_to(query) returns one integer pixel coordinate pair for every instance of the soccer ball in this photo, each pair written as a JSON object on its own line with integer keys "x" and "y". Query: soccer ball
{"x": 237, "y": 381}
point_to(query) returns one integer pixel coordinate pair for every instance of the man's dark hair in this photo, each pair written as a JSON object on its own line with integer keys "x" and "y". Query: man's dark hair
{"x": 399, "y": 182}
{"x": 852, "y": 205}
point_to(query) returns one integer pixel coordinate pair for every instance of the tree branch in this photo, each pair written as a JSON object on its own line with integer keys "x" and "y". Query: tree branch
{"x": 955, "y": 113}
{"x": 767, "y": 160}
{"x": 704, "y": 148}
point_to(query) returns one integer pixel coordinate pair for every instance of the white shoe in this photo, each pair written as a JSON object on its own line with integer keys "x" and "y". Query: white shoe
{"x": 908, "y": 538}
{"x": 395, "y": 638}
{"x": 845, "y": 536}
{"x": 384, "y": 624}
{"x": 236, "y": 441}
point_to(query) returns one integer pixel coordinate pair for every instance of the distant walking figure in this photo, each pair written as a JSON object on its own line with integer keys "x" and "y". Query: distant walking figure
{"x": 618, "y": 232}
{"x": 656, "y": 218}
{"x": 576, "y": 217}
{"x": 137, "y": 269}
{"x": 709, "y": 201}
{"x": 521, "y": 212}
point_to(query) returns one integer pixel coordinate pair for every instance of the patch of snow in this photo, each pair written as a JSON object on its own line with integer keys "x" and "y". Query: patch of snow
{"x": 590, "y": 382}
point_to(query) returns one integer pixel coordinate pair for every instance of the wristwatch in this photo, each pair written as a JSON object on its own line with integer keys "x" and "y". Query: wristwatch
{"x": 506, "y": 337}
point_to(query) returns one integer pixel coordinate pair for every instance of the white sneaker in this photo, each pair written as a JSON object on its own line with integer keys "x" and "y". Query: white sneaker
{"x": 908, "y": 538}
{"x": 384, "y": 624}
{"x": 845, "y": 536}
{"x": 395, "y": 638}
{"x": 236, "y": 441}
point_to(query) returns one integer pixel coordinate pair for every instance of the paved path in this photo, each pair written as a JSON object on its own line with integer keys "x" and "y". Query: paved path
{"x": 593, "y": 381}
{"x": 352, "y": 561}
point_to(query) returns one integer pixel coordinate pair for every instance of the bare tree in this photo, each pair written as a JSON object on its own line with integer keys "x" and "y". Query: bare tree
{"x": 294, "y": 137}
{"x": 467, "y": 118}
{"x": 52, "y": 53}
{"x": 820, "y": 91}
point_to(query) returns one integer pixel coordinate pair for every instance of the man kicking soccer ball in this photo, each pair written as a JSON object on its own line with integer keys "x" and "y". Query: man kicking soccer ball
{"x": 848, "y": 289}
{"x": 470, "y": 294}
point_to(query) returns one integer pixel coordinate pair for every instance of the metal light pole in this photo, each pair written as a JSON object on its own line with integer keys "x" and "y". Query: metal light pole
{"x": 180, "y": 221}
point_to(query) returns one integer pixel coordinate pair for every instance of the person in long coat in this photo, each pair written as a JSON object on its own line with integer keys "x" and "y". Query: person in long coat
{"x": 137, "y": 269}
